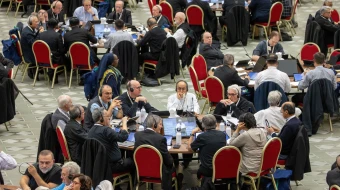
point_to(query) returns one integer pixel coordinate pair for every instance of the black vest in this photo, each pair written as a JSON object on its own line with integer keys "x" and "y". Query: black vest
{"x": 88, "y": 121}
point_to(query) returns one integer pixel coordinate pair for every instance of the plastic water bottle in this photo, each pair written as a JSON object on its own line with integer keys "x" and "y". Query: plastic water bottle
{"x": 222, "y": 126}
{"x": 228, "y": 130}
{"x": 178, "y": 136}
{"x": 141, "y": 128}
{"x": 142, "y": 114}
{"x": 138, "y": 113}
{"x": 229, "y": 115}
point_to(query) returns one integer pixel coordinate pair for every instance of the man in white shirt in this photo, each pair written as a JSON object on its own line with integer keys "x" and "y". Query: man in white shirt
{"x": 7, "y": 162}
{"x": 183, "y": 100}
{"x": 86, "y": 12}
{"x": 272, "y": 74}
{"x": 182, "y": 29}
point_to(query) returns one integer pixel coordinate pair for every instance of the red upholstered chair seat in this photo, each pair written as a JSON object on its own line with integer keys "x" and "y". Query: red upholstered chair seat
{"x": 151, "y": 61}
{"x": 281, "y": 162}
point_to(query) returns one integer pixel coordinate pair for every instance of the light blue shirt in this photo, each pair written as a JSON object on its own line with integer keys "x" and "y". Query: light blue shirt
{"x": 83, "y": 15}
{"x": 95, "y": 105}
{"x": 60, "y": 187}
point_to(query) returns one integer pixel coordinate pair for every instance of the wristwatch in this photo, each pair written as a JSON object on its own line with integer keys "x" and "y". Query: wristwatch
{"x": 192, "y": 135}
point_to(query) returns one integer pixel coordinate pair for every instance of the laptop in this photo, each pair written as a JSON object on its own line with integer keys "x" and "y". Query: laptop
{"x": 168, "y": 140}
{"x": 260, "y": 64}
{"x": 298, "y": 77}
{"x": 129, "y": 142}
{"x": 242, "y": 63}
{"x": 187, "y": 124}
{"x": 288, "y": 66}
{"x": 252, "y": 75}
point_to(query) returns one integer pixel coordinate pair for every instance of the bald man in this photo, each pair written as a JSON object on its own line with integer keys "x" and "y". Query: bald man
{"x": 121, "y": 13}
{"x": 86, "y": 12}
{"x": 56, "y": 11}
{"x": 162, "y": 20}
{"x": 212, "y": 55}
{"x": 182, "y": 29}
{"x": 132, "y": 99}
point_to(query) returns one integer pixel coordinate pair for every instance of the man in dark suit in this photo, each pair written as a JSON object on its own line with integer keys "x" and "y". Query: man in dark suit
{"x": 288, "y": 131}
{"x": 62, "y": 112}
{"x": 56, "y": 11}
{"x": 212, "y": 55}
{"x": 121, "y": 13}
{"x": 75, "y": 133}
{"x": 55, "y": 42}
{"x": 162, "y": 20}
{"x": 28, "y": 36}
{"x": 210, "y": 20}
{"x": 177, "y": 5}
{"x": 333, "y": 176}
{"x": 151, "y": 136}
{"x": 80, "y": 35}
{"x": 327, "y": 24}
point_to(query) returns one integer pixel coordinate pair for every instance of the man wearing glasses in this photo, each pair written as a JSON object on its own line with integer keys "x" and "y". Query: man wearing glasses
{"x": 132, "y": 100}
{"x": 235, "y": 105}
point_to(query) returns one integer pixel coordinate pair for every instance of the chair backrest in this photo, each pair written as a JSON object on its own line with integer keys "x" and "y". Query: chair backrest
{"x": 63, "y": 144}
{"x": 335, "y": 187}
{"x": 270, "y": 155}
{"x": 335, "y": 15}
{"x": 194, "y": 80}
{"x": 167, "y": 11}
{"x": 308, "y": 50}
{"x": 200, "y": 66}
{"x": 42, "y": 54}
{"x": 148, "y": 162}
{"x": 226, "y": 163}
{"x": 195, "y": 15}
{"x": 261, "y": 95}
{"x": 214, "y": 88}
{"x": 17, "y": 45}
{"x": 80, "y": 56}
{"x": 275, "y": 13}
{"x": 151, "y": 4}
{"x": 335, "y": 52}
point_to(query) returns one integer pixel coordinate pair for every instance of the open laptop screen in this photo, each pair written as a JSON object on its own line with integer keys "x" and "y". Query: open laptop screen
{"x": 186, "y": 124}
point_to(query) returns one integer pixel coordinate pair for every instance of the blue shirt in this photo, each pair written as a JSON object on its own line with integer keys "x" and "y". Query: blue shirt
{"x": 60, "y": 187}
{"x": 95, "y": 105}
{"x": 83, "y": 15}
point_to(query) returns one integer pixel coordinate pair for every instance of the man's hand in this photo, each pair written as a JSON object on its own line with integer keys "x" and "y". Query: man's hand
{"x": 90, "y": 11}
{"x": 196, "y": 130}
{"x": 115, "y": 103}
{"x": 180, "y": 95}
{"x": 240, "y": 126}
{"x": 141, "y": 98}
{"x": 167, "y": 30}
{"x": 32, "y": 170}
{"x": 270, "y": 130}
{"x": 41, "y": 29}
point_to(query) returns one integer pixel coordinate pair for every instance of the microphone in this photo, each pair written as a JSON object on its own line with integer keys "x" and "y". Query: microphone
{"x": 246, "y": 52}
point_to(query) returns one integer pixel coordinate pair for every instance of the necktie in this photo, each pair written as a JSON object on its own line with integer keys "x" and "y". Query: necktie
{"x": 118, "y": 15}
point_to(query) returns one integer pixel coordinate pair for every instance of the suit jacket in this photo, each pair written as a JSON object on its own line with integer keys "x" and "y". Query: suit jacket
{"x": 333, "y": 177}
{"x": 28, "y": 37}
{"x": 55, "y": 41}
{"x": 213, "y": 56}
{"x": 209, "y": 16}
{"x": 57, "y": 115}
{"x": 156, "y": 140}
{"x": 126, "y": 16}
{"x": 59, "y": 17}
{"x": 78, "y": 35}
{"x": 130, "y": 109}
{"x": 229, "y": 76}
{"x": 177, "y": 5}
{"x": 227, "y": 5}
{"x": 75, "y": 135}
{"x": 329, "y": 28}
{"x": 155, "y": 38}
{"x": 260, "y": 10}
{"x": 163, "y": 21}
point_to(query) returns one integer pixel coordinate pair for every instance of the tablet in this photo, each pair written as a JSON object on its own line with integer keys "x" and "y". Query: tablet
{"x": 131, "y": 137}
{"x": 298, "y": 77}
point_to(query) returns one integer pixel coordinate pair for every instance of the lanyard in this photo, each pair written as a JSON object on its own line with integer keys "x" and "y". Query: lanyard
{"x": 268, "y": 47}
{"x": 159, "y": 18}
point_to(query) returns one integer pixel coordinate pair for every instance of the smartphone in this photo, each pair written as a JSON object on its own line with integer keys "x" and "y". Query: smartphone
{"x": 176, "y": 146}
{"x": 267, "y": 123}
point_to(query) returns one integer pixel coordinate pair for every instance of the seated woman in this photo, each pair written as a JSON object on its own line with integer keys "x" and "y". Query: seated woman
{"x": 81, "y": 182}
{"x": 109, "y": 74}
{"x": 250, "y": 142}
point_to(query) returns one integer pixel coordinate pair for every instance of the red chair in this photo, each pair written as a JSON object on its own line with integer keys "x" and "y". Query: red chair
{"x": 167, "y": 11}
{"x": 151, "y": 3}
{"x": 23, "y": 63}
{"x": 18, "y": 3}
{"x": 335, "y": 53}
{"x": 335, "y": 187}
{"x": 42, "y": 55}
{"x": 80, "y": 59}
{"x": 200, "y": 66}
{"x": 215, "y": 91}
{"x": 288, "y": 20}
{"x": 63, "y": 144}
{"x": 150, "y": 64}
{"x": 274, "y": 19}
{"x": 199, "y": 91}
{"x": 270, "y": 155}
{"x": 121, "y": 175}
{"x": 149, "y": 163}
{"x": 308, "y": 50}
{"x": 226, "y": 164}
{"x": 335, "y": 15}
{"x": 195, "y": 16}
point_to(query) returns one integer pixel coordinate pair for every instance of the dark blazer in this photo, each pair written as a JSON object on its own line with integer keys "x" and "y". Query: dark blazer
{"x": 329, "y": 28}
{"x": 209, "y": 15}
{"x": 163, "y": 20}
{"x": 288, "y": 134}
{"x": 177, "y": 5}
{"x": 57, "y": 115}
{"x": 59, "y": 17}
{"x": 78, "y": 35}
{"x": 227, "y": 5}
{"x": 152, "y": 138}
{"x": 239, "y": 109}
{"x": 28, "y": 37}
{"x": 155, "y": 38}
{"x": 237, "y": 21}
{"x": 129, "y": 109}
{"x": 260, "y": 10}
{"x": 229, "y": 76}
{"x": 55, "y": 42}
{"x": 75, "y": 135}
{"x": 126, "y": 16}
{"x": 168, "y": 60}
{"x": 213, "y": 56}
{"x": 333, "y": 177}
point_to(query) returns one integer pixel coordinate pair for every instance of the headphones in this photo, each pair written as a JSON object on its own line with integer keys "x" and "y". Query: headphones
{"x": 184, "y": 82}
{"x": 70, "y": 177}
{"x": 129, "y": 88}
{"x": 159, "y": 8}
{"x": 155, "y": 122}
{"x": 79, "y": 115}
{"x": 29, "y": 22}
{"x": 54, "y": 4}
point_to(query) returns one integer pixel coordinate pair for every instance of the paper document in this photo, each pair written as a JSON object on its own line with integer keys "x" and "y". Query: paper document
{"x": 251, "y": 82}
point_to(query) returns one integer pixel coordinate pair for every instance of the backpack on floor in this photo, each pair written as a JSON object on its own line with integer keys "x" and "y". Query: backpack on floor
{"x": 90, "y": 84}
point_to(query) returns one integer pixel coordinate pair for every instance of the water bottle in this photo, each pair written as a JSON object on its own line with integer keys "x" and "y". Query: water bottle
{"x": 178, "y": 136}
{"x": 229, "y": 115}
{"x": 228, "y": 130}
{"x": 142, "y": 114}
{"x": 222, "y": 127}
{"x": 141, "y": 128}
{"x": 138, "y": 115}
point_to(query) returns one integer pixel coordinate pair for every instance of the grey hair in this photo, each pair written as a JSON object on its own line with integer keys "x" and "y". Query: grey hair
{"x": 63, "y": 100}
{"x": 75, "y": 111}
{"x": 274, "y": 98}
{"x": 324, "y": 9}
{"x": 72, "y": 167}
{"x": 289, "y": 107}
{"x": 236, "y": 88}
{"x": 104, "y": 185}
{"x": 98, "y": 114}
{"x": 228, "y": 59}
{"x": 151, "y": 120}
{"x": 209, "y": 122}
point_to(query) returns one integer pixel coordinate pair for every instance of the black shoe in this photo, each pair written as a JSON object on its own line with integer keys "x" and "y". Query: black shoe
{"x": 179, "y": 180}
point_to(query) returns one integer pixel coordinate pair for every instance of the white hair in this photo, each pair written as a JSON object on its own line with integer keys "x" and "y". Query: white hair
{"x": 72, "y": 167}
{"x": 236, "y": 88}
{"x": 274, "y": 98}
{"x": 63, "y": 100}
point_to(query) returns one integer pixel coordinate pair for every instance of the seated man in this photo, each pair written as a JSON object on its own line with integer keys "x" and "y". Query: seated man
{"x": 333, "y": 176}
{"x": 118, "y": 36}
{"x": 56, "y": 11}
{"x": 102, "y": 132}
{"x": 104, "y": 99}
{"x": 272, "y": 74}
{"x": 151, "y": 136}
{"x": 228, "y": 74}
{"x": 62, "y": 112}
{"x": 86, "y": 12}
{"x": 121, "y": 13}
{"x": 182, "y": 29}
{"x": 213, "y": 56}
{"x": 133, "y": 100}
{"x": 208, "y": 143}
{"x": 236, "y": 105}
{"x": 75, "y": 133}
{"x": 154, "y": 38}
{"x": 273, "y": 114}
{"x": 327, "y": 24}
{"x": 266, "y": 47}
{"x": 183, "y": 101}
{"x": 162, "y": 21}
{"x": 318, "y": 73}
{"x": 43, "y": 18}
{"x": 328, "y": 3}
{"x": 44, "y": 173}
{"x": 68, "y": 169}
{"x": 288, "y": 131}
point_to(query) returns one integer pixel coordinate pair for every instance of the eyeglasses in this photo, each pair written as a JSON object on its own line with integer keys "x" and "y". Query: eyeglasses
{"x": 75, "y": 182}
{"x": 139, "y": 87}
{"x": 230, "y": 94}
{"x": 179, "y": 88}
